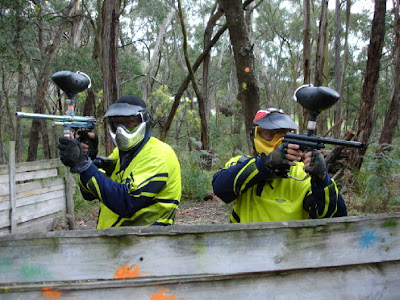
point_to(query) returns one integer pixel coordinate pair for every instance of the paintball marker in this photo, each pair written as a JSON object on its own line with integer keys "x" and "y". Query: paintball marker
{"x": 314, "y": 100}
{"x": 72, "y": 84}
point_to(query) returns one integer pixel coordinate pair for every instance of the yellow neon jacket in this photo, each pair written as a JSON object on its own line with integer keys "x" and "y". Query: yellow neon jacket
{"x": 261, "y": 197}
{"x": 146, "y": 192}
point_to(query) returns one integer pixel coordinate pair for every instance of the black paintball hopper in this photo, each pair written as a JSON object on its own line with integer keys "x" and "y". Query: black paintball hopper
{"x": 316, "y": 99}
{"x": 71, "y": 83}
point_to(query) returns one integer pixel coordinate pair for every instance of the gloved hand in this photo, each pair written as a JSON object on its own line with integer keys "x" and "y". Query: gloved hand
{"x": 71, "y": 152}
{"x": 91, "y": 140}
{"x": 277, "y": 158}
{"x": 315, "y": 165}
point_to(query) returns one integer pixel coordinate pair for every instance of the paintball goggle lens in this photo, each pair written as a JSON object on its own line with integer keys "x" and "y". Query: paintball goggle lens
{"x": 129, "y": 123}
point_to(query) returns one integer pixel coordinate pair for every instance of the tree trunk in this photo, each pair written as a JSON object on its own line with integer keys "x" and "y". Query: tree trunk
{"x": 215, "y": 16}
{"x": 365, "y": 116}
{"x": 392, "y": 115}
{"x": 185, "y": 84}
{"x": 337, "y": 114}
{"x": 47, "y": 56}
{"x": 156, "y": 53}
{"x": 258, "y": 55}
{"x": 2, "y": 156}
{"x": 306, "y": 42}
{"x": 76, "y": 28}
{"x": 200, "y": 100}
{"x": 321, "y": 43}
{"x": 248, "y": 94}
{"x": 109, "y": 55}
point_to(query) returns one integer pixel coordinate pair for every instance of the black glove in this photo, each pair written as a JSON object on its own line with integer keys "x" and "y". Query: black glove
{"x": 71, "y": 152}
{"x": 317, "y": 167}
{"x": 276, "y": 160}
{"x": 93, "y": 143}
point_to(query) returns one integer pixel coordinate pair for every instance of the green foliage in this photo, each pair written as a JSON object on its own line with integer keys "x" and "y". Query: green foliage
{"x": 82, "y": 207}
{"x": 195, "y": 180}
{"x": 377, "y": 183}
{"x": 159, "y": 104}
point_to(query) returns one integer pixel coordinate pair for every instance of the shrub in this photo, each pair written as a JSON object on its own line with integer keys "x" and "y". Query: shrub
{"x": 195, "y": 180}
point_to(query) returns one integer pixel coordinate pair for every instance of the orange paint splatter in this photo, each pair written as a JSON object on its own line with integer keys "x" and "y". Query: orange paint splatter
{"x": 51, "y": 294}
{"x": 160, "y": 295}
{"x": 247, "y": 69}
{"x": 127, "y": 272}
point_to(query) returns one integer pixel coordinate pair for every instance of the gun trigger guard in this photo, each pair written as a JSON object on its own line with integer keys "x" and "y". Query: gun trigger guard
{"x": 298, "y": 179}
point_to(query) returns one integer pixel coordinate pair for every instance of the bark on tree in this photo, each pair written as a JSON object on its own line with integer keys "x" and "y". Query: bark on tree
{"x": 321, "y": 43}
{"x": 340, "y": 81}
{"x": 392, "y": 115}
{"x": 109, "y": 55}
{"x": 258, "y": 55}
{"x": 338, "y": 74}
{"x": 77, "y": 24}
{"x": 216, "y": 14}
{"x": 306, "y": 42}
{"x": 365, "y": 116}
{"x": 156, "y": 53}
{"x": 47, "y": 55}
{"x": 2, "y": 156}
{"x": 200, "y": 100}
{"x": 248, "y": 94}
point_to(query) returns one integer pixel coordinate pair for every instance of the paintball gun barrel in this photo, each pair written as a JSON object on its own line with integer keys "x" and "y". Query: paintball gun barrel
{"x": 66, "y": 120}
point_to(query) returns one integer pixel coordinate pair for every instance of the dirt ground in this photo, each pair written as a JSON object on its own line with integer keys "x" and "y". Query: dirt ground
{"x": 212, "y": 211}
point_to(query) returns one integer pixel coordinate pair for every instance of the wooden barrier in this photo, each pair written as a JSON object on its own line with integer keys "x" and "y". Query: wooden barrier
{"x": 342, "y": 258}
{"x": 33, "y": 195}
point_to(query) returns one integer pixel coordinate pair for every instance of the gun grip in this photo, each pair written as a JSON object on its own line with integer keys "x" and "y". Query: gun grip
{"x": 93, "y": 143}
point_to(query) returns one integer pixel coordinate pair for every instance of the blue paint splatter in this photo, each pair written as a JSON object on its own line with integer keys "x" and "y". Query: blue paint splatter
{"x": 368, "y": 239}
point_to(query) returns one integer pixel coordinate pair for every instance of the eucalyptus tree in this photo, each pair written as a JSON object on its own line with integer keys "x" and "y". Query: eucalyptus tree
{"x": 392, "y": 115}
{"x": 368, "y": 96}
{"x": 248, "y": 93}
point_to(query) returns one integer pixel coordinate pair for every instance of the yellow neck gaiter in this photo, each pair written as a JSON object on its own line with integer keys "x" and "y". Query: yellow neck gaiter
{"x": 264, "y": 146}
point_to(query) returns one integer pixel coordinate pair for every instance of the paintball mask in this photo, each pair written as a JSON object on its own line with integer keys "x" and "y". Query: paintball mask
{"x": 128, "y": 122}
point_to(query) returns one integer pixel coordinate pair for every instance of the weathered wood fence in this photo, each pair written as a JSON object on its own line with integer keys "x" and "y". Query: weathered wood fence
{"x": 342, "y": 258}
{"x": 33, "y": 195}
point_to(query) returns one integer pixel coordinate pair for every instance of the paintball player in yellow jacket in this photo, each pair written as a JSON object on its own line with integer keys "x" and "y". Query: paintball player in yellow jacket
{"x": 143, "y": 186}
{"x": 263, "y": 195}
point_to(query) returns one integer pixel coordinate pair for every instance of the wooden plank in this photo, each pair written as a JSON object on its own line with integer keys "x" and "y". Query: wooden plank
{"x": 33, "y": 196}
{"x": 371, "y": 281}
{"x": 5, "y": 219}
{"x": 38, "y": 165}
{"x": 69, "y": 198}
{"x": 36, "y": 174}
{"x": 13, "y": 198}
{"x": 194, "y": 250}
{"x": 40, "y": 209}
{"x": 4, "y": 170}
{"x": 43, "y": 224}
{"x": 4, "y": 189}
{"x": 43, "y": 183}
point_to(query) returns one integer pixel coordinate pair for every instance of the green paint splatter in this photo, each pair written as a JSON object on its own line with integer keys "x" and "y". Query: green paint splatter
{"x": 200, "y": 248}
{"x": 390, "y": 223}
{"x": 244, "y": 85}
{"x": 34, "y": 272}
{"x": 5, "y": 263}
